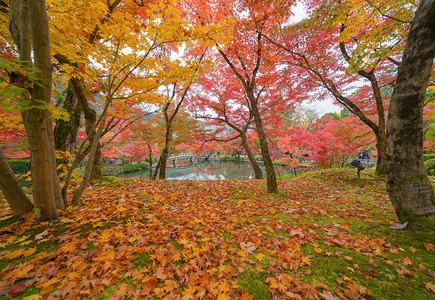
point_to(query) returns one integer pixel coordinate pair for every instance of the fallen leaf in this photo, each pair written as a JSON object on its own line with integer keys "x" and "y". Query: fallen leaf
{"x": 429, "y": 247}
{"x": 41, "y": 235}
{"x": 16, "y": 289}
{"x": 327, "y": 295}
{"x": 399, "y": 226}
{"x": 430, "y": 286}
{"x": 248, "y": 247}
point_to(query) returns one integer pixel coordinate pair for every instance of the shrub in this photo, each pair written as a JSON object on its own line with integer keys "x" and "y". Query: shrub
{"x": 428, "y": 156}
{"x": 430, "y": 166}
{"x": 135, "y": 167}
{"x": 20, "y": 166}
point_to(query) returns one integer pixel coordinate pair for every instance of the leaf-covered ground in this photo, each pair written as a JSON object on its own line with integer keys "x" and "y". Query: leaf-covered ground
{"x": 325, "y": 236}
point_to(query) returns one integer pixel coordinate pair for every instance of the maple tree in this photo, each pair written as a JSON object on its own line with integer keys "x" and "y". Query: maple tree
{"x": 176, "y": 93}
{"x": 218, "y": 102}
{"x": 247, "y": 56}
{"x": 360, "y": 35}
{"x": 409, "y": 188}
{"x": 328, "y": 142}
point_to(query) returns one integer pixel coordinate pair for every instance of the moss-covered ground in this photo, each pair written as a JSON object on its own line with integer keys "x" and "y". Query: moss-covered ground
{"x": 326, "y": 235}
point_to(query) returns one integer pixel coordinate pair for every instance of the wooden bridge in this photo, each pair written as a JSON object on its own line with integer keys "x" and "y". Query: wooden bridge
{"x": 187, "y": 157}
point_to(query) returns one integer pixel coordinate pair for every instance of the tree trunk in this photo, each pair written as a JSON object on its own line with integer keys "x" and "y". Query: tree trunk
{"x": 252, "y": 160}
{"x": 29, "y": 22}
{"x": 97, "y": 170}
{"x": 381, "y": 147}
{"x": 154, "y": 176}
{"x": 272, "y": 186}
{"x": 151, "y": 160}
{"x": 77, "y": 194}
{"x": 12, "y": 190}
{"x": 65, "y": 132}
{"x": 408, "y": 186}
{"x": 90, "y": 121}
{"x": 163, "y": 159}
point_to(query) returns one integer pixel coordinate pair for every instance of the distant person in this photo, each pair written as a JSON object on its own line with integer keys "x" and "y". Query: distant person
{"x": 365, "y": 155}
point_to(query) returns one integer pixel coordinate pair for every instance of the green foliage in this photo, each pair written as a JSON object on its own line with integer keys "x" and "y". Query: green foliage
{"x": 428, "y": 156}
{"x": 344, "y": 113}
{"x": 135, "y": 167}
{"x": 20, "y": 166}
{"x": 430, "y": 166}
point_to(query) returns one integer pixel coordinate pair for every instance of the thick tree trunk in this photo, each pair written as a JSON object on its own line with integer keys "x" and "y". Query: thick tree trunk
{"x": 38, "y": 123}
{"x": 29, "y": 22}
{"x": 272, "y": 186}
{"x": 408, "y": 186}
{"x": 12, "y": 190}
{"x": 252, "y": 160}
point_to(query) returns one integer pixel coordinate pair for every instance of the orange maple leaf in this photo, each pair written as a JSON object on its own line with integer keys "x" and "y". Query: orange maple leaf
{"x": 14, "y": 254}
{"x": 429, "y": 247}
{"x": 430, "y": 286}
{"x": 20, "y": 273}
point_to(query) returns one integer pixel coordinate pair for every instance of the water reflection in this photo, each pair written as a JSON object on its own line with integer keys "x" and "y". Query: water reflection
{"x": 215, "y": 170}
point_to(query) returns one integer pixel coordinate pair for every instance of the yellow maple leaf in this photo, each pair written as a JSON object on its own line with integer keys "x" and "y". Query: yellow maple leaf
{"x": 260, "y": 256}
{"x": 224, "y": 287}
{"x": 306, "y": 260}
{"x": 190, "y": 290}
{"x": 176, "y": 256}
{"x": 133, "y": 238}
{"x": 242, "y": 253}
{"x": 19, "y": 273}
{"x": 33, "y": 297}
{"x": 183, "y": 242}
{"x": 25, "y": 237}
{"x": 48, "y": 283}
{"x": 222, "y": 296}
{"x": 199, "y": 221}
{"x": 73, "y": 275}
{"x": 107, "y": 255}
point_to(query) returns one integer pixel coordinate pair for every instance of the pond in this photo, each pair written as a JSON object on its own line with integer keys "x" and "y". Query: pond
{"x": 209, "y": 170}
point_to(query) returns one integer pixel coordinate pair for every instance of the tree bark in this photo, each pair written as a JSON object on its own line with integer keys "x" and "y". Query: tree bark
{"x": 163, "y": 159}
{"x": 151, "y": 159}
{"x": 272, "y": 186}
{"x": 252, "y": 160}
{"x": 407, "y": 183}
{"x": 65, "y": 132}
{"x": 165, "y": 152}
{"x": 12, "y": 190}
{"x": 381, "y": 147}
{"x": 93, "y": 143}
{"x": 29, "y": 23}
